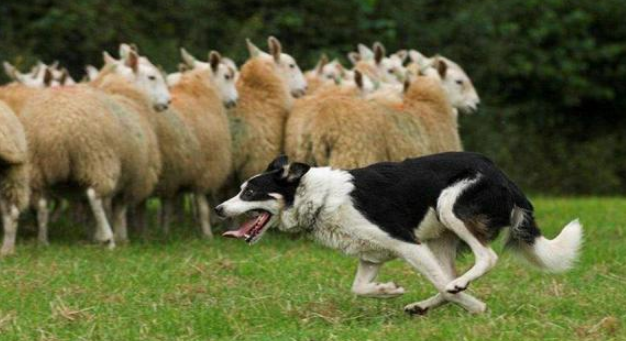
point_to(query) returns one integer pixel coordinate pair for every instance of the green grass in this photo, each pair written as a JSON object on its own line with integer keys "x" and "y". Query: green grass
{"x": 283, "y": 288}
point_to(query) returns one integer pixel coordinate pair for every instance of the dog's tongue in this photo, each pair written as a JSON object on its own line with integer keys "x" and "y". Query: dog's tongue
{"x": 246, "y": 228}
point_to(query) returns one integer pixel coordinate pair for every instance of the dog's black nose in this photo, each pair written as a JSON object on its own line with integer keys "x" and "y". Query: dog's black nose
{"x": 219, "y": 210}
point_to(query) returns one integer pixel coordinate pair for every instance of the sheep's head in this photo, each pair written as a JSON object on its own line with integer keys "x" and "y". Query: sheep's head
{"x": 147, "y": 77}
{"x": 223, "y": 71}
{"x": 329, "y": 71}
{"x": 457, "y": 85}
{"x": 390, "y": 69}
{"x": 224, "y": 78}
{"x": 286, "y": 65}
{"x": 41, "y": 76}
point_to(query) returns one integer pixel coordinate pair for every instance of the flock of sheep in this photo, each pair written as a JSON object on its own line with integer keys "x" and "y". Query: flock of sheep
{"x": 128, "y": 133}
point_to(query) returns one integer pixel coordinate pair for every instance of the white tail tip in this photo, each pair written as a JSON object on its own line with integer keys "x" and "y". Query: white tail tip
{"x": 559, "y": 254}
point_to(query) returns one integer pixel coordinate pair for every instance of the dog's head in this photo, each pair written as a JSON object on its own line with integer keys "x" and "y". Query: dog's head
{"x": 263, "y": 198}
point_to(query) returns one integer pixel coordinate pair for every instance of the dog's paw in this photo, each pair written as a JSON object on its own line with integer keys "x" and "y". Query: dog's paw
{"x": 457, "y": 286}
{"x": 477, "y": 309}
{"x": 389, "y": 289}
{"x": 380, "y": 290}
{"x": 415, "y": 309}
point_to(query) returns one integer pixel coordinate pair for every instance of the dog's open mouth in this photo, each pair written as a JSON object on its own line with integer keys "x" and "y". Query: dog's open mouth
{"x": 252, "y": 229}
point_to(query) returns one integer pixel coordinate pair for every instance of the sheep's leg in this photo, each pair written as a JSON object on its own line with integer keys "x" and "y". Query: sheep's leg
{"x": 138, "y": 218}
{"x": 10, "y": 213}
{"x": 43, "y": 214}
{"x": 167, "y": 208}
{"x": 120, "y": 222}
{"x": 204, "y": 214}
{"x": 104, "y": 234}
{"x": 56, "y": 213}
{"x": 179, "y": 209}
{"x": 365, "y": 286}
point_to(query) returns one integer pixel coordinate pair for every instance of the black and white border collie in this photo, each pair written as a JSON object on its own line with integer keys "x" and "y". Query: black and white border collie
{"x": 418, "y": 210}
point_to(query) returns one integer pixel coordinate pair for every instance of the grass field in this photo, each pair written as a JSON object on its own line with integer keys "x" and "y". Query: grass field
{"x": 184, "y": 288}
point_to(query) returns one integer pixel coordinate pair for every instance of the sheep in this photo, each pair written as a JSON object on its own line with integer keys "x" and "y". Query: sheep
{"x": 377, "y": 66}
{"x": 14, "y": 186}
{"x": 223, "y": 65}
{"x": 16, "y": 95}
{"x": 41, "y": 75}
{"x": 267, "y": 86}
{"x": 325, "y": 72}
{"x": 455, "y": 82}
{"x": 196, "y": 148}
{"x": 337, "y": 127}
{"x": 97, "y": 140}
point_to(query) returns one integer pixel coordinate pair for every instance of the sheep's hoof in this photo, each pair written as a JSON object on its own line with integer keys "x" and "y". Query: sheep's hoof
{"x": 109, "y": 244}
{"x": 5, "y": 252}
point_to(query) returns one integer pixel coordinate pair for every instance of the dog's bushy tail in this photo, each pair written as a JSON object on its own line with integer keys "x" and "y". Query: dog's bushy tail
{"x": 556, "y": 255}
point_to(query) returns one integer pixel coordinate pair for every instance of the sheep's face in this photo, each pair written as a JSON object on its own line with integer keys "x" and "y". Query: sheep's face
{"x": 459, "y": 88}
{"x": 291, "y": 74}
{"x": 224, "y": 79}
{"x": 391, "y": 70}
{"x": 149, "y": 79}
{"x": 331, "y": 72}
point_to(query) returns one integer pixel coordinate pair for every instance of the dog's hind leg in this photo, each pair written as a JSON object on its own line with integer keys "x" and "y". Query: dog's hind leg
{"x": 423, "y": 260}
{"x": 365, "y": 286}
{"x": 469, "y": 231}
{"x": 444, "y": 249}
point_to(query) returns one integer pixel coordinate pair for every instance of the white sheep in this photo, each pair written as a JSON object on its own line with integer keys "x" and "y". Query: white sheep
{"x": 14, "y": 187}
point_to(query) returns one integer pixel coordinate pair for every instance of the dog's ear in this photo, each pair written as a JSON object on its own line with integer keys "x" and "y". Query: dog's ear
{"x": 297, "y": 171}
{"x": 278, "y": 163}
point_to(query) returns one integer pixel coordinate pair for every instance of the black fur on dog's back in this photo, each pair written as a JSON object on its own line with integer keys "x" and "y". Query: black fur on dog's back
{"x": 397, "y": 196}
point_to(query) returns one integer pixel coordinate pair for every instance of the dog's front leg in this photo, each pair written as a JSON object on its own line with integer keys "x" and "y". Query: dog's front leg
{"x": 365, "y": 286}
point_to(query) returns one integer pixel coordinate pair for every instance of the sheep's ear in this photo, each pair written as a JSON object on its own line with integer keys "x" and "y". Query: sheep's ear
{"x": 402, "y": 54}
{"x": 48, "y": 77}
{"x": 182, "y": 67}
{"x": 187, "y": 57}
{"x": 10, "y": 70}
{"x": 275, "y": 48}
{"x": 441, "y": 66}
{"x": 108, "y": 59}
{"x": 406, "y": 85}
{"x": 92, "y": 72}
{"x": 253, "y": 49}
{"x": 365, "y": 52}
{"x": 125, "y": 50}
{"x": 278, "y": 163}
{"x": 215, "y": 58}
{"x": 415, "y": 56}
{"x": 35, "y": 69}
{"x": 132, "y": 61}
{"x": 296, "y": 171}
{"x": 319, "y": 68}
{"x": 340, "y": 68}
{"x": 358, "y": 79}
{"x": 354, "y": 57}
{"x": 379, "y": 52}
{"x": 65, "y": 76}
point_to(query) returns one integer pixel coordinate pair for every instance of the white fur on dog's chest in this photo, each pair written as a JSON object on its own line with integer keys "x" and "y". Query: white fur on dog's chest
{"x": 350, "y": 233}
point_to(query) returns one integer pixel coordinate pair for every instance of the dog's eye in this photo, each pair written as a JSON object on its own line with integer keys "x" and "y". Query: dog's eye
{"x": 249, "y": 192}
